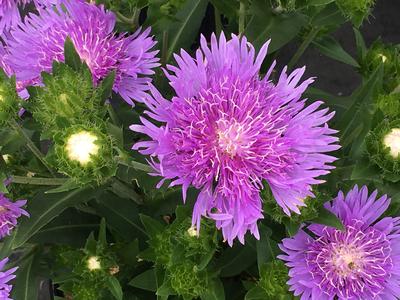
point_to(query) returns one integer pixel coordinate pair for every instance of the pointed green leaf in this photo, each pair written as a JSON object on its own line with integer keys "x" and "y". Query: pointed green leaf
{"x": 152, "y": 226}
{"x": 106, "y": 86}
{"x": 102, "y": 240}
{"x": 115, "y": 288}
{"x": 331, "y": 48}
{"x": 45, "y": 207}
{"x": 72, "y": 57}
{"x": 327, "y": 218}
{"x": 146, "y": 281}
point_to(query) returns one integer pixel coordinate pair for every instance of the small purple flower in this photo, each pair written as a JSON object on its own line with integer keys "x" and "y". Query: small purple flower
{"x": 9, "y": 12}
{"x": 227, "y": 130}
{"x": 9, "y": 213}
{"x": 90, "y": 28}
{"x": 360, "y": 262}
{"x": 5, "y": 277}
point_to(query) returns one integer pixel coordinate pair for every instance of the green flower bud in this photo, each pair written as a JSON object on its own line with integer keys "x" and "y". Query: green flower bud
{"x": 187, "y": 281}
{"x": 383, "y": 146}
{"x": 308, "y": 212}
{"x": 67, "y": 97}
{"x": 389, "y": 105}
{"x": 355, "y": 10}
{"x": 273, "y": 278}
{"x": 10, "y": 103}
{"x": 84, "y": 153}
{"x": 380, "y": 53}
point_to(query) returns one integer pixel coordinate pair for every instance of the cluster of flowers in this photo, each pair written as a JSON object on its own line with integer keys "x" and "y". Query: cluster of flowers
{"x": 227, "y": 132}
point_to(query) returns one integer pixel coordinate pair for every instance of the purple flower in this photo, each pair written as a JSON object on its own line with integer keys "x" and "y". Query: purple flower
{"x": 5, "y": 277}
{"x": 227, "y": 130}
{"x": 9, "y": 12}
{"x": 360, "y": 262}
{"x": 90, "y": 28}
{"x": 9, "y": 213}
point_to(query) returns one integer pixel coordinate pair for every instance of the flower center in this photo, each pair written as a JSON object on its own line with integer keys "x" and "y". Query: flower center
{"x": 81, "y": 146}
{"x": 347, "y": 259}
{"x": 392, "y": 141}
{"x": 231, "y": 138}
{"x": 350, "y": 262}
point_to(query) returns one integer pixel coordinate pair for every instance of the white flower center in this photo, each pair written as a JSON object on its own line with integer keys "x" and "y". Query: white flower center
{"x": 231, "y": 137}
{"x": 81, "y": 146}
{"x": 192, "y": 231}
{"x": 93, "y": 263}
{"x": 392, "y": 141}
{"x": 347, "y": 259}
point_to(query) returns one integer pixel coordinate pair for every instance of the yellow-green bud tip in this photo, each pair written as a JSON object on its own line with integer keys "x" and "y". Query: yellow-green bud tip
{"x": 81, "y": 146}
{"x": 392, "y": 141}
{"x": 93, "y": 263}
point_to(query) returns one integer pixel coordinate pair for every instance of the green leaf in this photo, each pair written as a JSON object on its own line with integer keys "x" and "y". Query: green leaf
{"x": 237, "y": 259}
{"x": 146, "y": 281}
{"x": 264, "y": 25}
{"x": 102, "y": 239}
{"x": 43, "y": 208}
{"x": 165, "y": 289}
{"x": 69, "y": 185}
{"x": 152, "y": 226}
{"x": 72, "y": 228}
{"x": 331, "y": 48}
{"x": 264, "y": 248}
{"x": 72, "y": 57}
{"x": 328, "y": 16}
{"x": 180, "y": 31}
{"x": 26, "y": 285}
{"x": 360, "y": 43}
{"x": 120, "y": 214}
{"x": 256, "y": 293}
{"x": 355, "y": 123}
{"x": 215, "y": 291}
{"x": 326, "y": 217}
{"x": 115, "y": 288}
{"x": 318, "y": 2}
{"x": 106, "y": 86}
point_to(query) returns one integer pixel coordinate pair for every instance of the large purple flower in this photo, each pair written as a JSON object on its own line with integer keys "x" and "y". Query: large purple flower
{"x": 360, "y": 262}
{"x": 5, "y": 277}
{"x": 90, "y": 28}
{"x": 227, "y": 130}
{"x": 9, "y": 213}
{"x": 9, "y": 12}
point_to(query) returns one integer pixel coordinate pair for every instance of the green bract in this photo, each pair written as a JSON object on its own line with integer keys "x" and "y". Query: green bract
{"x": 355, "y": 10}
{"x": 381, "y": 153}
{"x": 67, "y": 98}
{"x": 84, "y": 153}
{"x": 389, "y": 105}
{"x": 273, "y": 278}
{"x": 10, "y": 103}
{"x": 187, "y": 280}
{"x": 388, "y": 56}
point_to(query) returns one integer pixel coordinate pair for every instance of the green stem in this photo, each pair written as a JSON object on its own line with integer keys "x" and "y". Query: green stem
{"x": 218, "y": 23}
{"x": 38, "y": 180}
{"x": 304, "y": 45}
{"x": 122, "y": 18}
{"x": 164, "y": 49}
{"x": 242, "y": 17}
{"x": 136, "y": 165}
{"x": 31, "y": 145}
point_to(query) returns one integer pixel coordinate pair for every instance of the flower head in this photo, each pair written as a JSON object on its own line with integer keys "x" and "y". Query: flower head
{"x": 9, "y": 213}
{"x": 90, "y": 28}
{"x": 9, "y": 12}
{"x": 5, "y": 277}
{"x": 360, "y": 262}
{"x": 227, "y": 130}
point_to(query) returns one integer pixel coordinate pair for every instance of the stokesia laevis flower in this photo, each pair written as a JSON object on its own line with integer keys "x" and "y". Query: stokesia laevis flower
{"x": 5, "y": 277}
{"x": 227, "y": 130}
{"x": 9, "y": 12}
{"x": 90, "y": 28}
{"x": 9, "y": 213}
{"x": 361, "y": 262}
